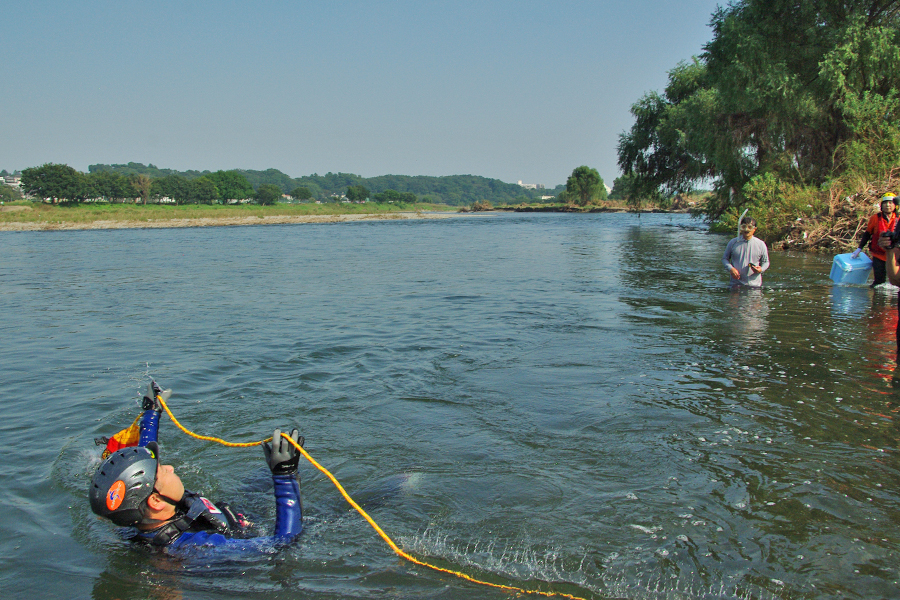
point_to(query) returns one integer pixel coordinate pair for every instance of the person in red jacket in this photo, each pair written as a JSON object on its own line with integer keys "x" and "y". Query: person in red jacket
{"x": 882, "y": 222}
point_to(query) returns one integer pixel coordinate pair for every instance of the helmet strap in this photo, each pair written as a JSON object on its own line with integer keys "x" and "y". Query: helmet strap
{"x": 165, "y": 498}
{"x": 146, "y": 521}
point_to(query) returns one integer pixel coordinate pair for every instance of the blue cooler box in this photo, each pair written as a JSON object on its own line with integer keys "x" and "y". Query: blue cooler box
{"x": 846, "y": 270}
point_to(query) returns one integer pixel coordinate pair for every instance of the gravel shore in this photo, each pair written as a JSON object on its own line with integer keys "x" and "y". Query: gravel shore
{"x": 223, "y": 221}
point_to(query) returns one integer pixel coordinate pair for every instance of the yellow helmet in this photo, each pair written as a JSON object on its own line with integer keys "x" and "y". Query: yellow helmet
{"x": 889, "y": 197}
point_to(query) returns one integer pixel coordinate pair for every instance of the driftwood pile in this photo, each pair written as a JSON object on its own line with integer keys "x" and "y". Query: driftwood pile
{"x": 842, "y": 224}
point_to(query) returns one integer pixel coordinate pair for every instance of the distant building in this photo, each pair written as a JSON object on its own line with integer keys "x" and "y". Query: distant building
{"x": 531, "y": 186}
{"x": 12, "y": 180}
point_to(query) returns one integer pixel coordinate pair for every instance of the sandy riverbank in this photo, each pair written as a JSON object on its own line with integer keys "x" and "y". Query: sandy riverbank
{"x": 224, "y": 221}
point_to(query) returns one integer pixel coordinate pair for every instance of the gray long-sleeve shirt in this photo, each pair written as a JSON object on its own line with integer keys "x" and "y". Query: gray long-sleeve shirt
{"x": 739, "y": 253}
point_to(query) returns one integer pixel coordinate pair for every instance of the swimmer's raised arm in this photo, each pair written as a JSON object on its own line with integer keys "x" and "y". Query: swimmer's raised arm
{"x": 282, "y": 457}
{"x": 152, "y": 411}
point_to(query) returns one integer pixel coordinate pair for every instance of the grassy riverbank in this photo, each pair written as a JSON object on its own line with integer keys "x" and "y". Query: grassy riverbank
{"x": 41, "y": 216}
{"x": 38, "y": 216}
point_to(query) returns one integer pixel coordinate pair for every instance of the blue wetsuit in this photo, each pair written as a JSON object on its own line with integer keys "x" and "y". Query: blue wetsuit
{"x": 199, "y": 522}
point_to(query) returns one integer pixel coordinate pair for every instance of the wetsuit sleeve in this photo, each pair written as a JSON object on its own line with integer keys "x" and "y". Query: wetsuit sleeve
{"x": 194, "y": 539}
{"x": 288, "y": 510}
{"x": 288, "y": 522}
{"x": 205, "y": 538}
{"x": 149, "y": 426}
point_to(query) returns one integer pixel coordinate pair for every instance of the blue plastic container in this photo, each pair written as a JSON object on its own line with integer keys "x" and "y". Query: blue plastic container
{"x": 847, "y": 271}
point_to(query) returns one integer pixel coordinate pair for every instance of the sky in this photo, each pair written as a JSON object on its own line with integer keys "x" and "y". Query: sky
{"x": 508, "y": 89}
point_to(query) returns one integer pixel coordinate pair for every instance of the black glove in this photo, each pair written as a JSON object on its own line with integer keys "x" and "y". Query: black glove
{"x": 150, "y": 399}
{"x": 281, "y": 455}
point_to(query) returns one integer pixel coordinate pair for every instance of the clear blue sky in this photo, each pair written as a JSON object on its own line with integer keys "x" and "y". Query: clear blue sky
{"x": 509, "y": 89}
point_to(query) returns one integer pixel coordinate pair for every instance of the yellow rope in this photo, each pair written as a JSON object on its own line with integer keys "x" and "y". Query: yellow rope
{"x": 208, "y": 438}
{"x": 397, "y": 550}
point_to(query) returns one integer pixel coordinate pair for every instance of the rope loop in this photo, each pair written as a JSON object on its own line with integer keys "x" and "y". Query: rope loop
{"x": 397, "y": 550}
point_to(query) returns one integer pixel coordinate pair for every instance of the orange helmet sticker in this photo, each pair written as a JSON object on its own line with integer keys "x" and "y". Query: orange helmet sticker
{"x": 115, "y": 495}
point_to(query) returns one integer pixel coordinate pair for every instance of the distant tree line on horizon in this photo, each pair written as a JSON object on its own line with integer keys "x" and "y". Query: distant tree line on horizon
{"x": 453, "y": 190}
{"x": 64, "y": 184}
{"x": 135, "y": 182}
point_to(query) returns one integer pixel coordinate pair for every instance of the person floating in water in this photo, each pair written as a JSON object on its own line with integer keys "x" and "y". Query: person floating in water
{"x": 132, "y": 489}
{"x": 746, "y": 257}
{"x": 882, "y": 222}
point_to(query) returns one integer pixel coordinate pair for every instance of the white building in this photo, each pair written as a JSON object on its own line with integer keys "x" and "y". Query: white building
{"x": 531, "y": 186}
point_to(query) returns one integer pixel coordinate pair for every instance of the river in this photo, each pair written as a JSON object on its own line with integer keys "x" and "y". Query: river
{"x": 569, "y": 403}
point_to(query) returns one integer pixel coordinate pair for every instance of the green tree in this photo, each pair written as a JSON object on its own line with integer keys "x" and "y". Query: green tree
{"x": 110, "y": 185}
{"x": 273, "y": 176}
{"x": 175, "y": 187}
{"x": 142, "y": 185}
{"x": 9, "y": 194}
{"x": 386, "y": 196}
{"x": 585, "y": 186}
{"x": 670, "y": 144}
{"x": 301, "y": 193}
{"x": 357, "y": 193}
{"x": 626, "y": 188}
{"x": 60, "y": 183}
{"x": 232, "y": 185}
{"x": 784, "y": 88}
{"x": 202, "y": 190}
{"x": 622, "y": 188}
{"x": 395, "y": 197}
{"x": 268, "y": 194}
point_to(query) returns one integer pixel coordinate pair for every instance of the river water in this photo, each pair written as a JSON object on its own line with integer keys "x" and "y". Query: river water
{"x": 569, "y": 403}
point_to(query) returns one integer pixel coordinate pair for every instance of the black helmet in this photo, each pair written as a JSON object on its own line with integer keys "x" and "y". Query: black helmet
{"x": 122, "y": 484}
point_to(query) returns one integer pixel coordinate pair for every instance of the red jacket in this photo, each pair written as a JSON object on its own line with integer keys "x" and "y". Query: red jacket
{"x": 878, "y": 225}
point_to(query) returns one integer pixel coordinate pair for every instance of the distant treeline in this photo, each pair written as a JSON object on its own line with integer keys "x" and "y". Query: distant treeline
{"x": 454, "y": 190}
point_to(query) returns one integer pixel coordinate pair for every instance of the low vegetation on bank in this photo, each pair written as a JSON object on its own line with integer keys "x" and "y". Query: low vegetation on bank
{"x": 685, "y": 203}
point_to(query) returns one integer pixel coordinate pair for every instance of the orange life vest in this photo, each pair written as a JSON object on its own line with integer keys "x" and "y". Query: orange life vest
{"x": 878, "y": 225}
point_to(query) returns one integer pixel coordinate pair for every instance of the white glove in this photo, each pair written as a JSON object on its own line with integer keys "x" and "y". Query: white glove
{"x": 856, "y": 253}
{"x": 150, "y": 399}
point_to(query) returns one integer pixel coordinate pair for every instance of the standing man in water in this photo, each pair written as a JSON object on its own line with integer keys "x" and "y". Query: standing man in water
{"x": 746, "y": 257}
{"x": 884, "y": 221}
